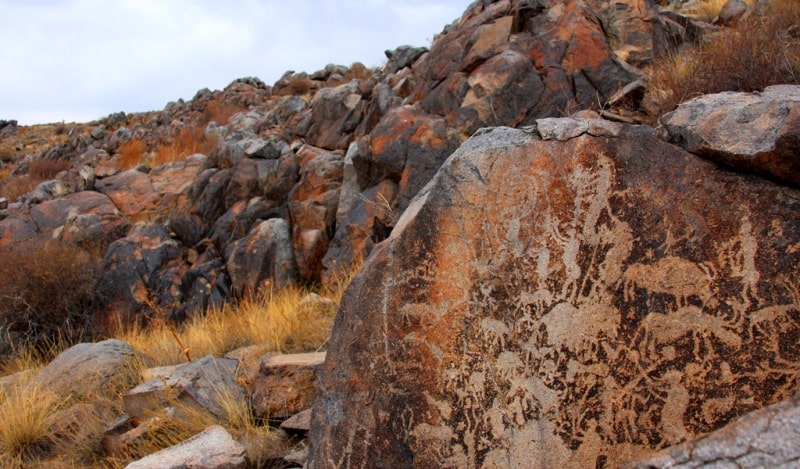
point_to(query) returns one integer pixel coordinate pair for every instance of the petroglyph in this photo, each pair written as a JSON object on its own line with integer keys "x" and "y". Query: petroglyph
{"x": 674, "y": 276}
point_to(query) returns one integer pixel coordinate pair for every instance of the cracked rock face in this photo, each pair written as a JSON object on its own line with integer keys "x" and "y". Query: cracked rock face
{"x": 576, "y": 301}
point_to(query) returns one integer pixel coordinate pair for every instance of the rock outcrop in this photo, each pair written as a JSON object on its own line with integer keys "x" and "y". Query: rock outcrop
{"x": 574, "y": 294}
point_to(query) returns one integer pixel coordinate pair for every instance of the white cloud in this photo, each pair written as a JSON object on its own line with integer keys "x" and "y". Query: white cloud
{"x": 78, "y": 60}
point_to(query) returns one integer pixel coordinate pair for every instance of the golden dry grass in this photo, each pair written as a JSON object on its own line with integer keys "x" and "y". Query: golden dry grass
{"x": 24, "y": 424}
{"x": 272, "y": 319}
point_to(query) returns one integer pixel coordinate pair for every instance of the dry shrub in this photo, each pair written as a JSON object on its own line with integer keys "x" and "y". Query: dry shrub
{"x": 7, "y": 153}
{"x": 11, "y": 187}
{"x": 131, "y": 153}
{"x": 759, "y": 52}
{"x": 299, "y": 85}
{"x": 44, "y": 170}
{"x": 190, "y": 140}
{"x": 49, "y": 293}
{"x": 220, "y": 112}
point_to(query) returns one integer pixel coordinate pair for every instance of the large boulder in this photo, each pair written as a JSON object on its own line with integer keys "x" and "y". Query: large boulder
{"x": 89, "y": 369}
{"x": 144, "y": 270}
{"x": 750, "y": 132}
{"x": 312, "y": 207}
{"x": 573, "y": 295}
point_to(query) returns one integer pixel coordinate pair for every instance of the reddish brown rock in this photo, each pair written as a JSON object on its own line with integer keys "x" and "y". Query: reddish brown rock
{"x": 87, "y": 217}
{"x": 573, "y": 302}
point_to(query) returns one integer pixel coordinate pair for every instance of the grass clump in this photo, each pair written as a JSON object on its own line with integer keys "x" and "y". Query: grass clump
{"x": 25, "y": 424}
{"x": 763, "y": 50}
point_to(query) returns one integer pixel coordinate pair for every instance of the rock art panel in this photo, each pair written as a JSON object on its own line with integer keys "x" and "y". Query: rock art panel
{"x": 575, "y": 301}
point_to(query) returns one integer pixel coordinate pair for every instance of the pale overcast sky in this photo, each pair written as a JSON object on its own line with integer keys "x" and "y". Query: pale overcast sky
{"x": 79, "y": 60}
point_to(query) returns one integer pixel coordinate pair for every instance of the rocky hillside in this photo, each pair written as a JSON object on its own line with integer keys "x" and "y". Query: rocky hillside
{"x": 556, "y": 273}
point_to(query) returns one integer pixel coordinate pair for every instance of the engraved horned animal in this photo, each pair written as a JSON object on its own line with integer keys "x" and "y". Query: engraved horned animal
{"x": 671, "y": 275}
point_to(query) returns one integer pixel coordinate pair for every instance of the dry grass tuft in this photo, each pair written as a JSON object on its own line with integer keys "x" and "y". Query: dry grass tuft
{"x": 270, "y": 318}
{"x": 190, "y": 140}
{"x": 12, "y": 187}
{"x": 24, "y": 424}
{"x": 759, "y": 52}
{"x": 299, "y": 85}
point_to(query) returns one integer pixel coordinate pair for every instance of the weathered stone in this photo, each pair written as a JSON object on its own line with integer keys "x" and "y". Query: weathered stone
{"x": 131, "y": 191}
{"x": 299, "y": 422}
{"x": 574, "y": 302}
{"x": 751, "y": 132}
{"x": 402, "y": 57}
{"x": 264, "y": 255}
{"x": 204, "y": 285}
{"x": 768, "y": 437}
{"x": 297, "y": 457}
{"x": 285, "y": 386}
{"x": 335, "y": 113}
{"x": 200, "y": 205}
{"x": 79, "y": 424}
{"x": 214, "y": 448}
{"x": 731, "y": 12}
{"x": 235, "y": 223}
{"x": 88, "y": 369}
{"x": 270, "y": 148}
{"x": 200, "y": 384}
{"x": 143, "y": 269}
